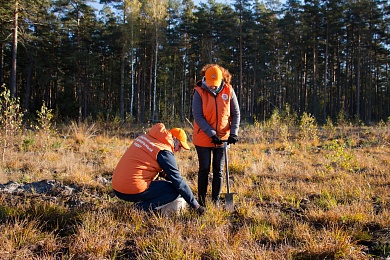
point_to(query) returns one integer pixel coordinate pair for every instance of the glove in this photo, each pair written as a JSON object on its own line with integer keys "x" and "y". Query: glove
{"x": 201, "y": 210}
{"x": 232, "y": 139}
{"x": 215, "y": 140}
{"x": 163, "y": 175}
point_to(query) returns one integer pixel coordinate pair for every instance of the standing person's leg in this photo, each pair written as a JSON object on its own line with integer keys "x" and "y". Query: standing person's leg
{"x": 218, "y": 163}
{"x": 159, "y": 193}
{"x": 204, "y": 159}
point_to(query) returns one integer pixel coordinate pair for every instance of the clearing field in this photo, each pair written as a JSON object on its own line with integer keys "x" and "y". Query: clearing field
{"x": 303, "y": 192}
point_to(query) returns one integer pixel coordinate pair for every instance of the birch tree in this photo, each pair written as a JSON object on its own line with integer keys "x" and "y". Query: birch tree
{"x": 156, "y": 11}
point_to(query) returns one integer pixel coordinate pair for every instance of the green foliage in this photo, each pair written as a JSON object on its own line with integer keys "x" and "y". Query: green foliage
{"x": 11, "y": 119}
{"x": 280, "y": 124}
{"x": 326, "y": 200}
{"x": 289, "y": 116}
{"x": 330, "y": 127}
{"x": 381, "y": 124}
{"x": 6, "y": 211}
{"x": 45, "y": 116}
{"x": 342, "y": 118}
{"x": 51, "y": 216}
{"x": 381, "y": 249}
{"x": 28, "y": 143}
{"x": 11, "y": 115}
{"x": 93, "y": 65}
{"x": 339, "y": 156}
{"x": 275, "y": 118}
{"x": 308, "y": 127}
{"x": 284, "y": 134}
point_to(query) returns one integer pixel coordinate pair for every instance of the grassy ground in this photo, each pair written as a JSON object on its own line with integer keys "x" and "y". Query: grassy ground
{"x": 303, "y": 192}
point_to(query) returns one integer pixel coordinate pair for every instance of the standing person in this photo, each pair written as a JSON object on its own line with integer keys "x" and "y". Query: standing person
{"x": 150, "y": 156}
{"x": 216, "y": 117}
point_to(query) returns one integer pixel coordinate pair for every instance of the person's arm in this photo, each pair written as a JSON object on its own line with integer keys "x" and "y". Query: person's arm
{"x": 167, "y": 161}
{"x": 197, "y": 112}
{"x": 235, "y": 114}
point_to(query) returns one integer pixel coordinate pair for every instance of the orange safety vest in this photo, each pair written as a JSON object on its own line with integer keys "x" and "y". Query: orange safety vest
{"x": 138, "y": 166}
{"x": 216, "y": 111}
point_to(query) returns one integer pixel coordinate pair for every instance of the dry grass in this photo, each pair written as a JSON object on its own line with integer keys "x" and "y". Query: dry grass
{"x": 326, "y": 197}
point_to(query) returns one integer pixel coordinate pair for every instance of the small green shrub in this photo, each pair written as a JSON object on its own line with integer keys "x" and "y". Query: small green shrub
{"x": 28, "y": 144}
{"x": 308, "y": 127}
{"x": 45, "y": 116}
{"x": 11, "y": 119}
{"x": 339, "y": 156}
{"x": 330, "y": 127}
{"x": 11, "y": 115}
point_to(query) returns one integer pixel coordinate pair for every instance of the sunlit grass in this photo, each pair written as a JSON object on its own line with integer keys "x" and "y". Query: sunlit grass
{"x": 296, "y": 197}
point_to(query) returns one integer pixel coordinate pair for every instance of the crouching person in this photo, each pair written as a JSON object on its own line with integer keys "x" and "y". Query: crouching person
{"x": 151, "y": 155}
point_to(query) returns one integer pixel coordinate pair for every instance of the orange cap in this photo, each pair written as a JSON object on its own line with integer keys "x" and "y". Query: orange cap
{"x": 213, "y": 76}
{"x": 181, "y": 136}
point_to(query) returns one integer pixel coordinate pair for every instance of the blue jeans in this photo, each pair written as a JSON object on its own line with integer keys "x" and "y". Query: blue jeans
{"x": 160, "y": 192}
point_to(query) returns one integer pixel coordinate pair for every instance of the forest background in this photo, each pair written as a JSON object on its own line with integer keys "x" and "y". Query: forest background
{"x": 139, "y": 60}
{"x": 303, "y": 190}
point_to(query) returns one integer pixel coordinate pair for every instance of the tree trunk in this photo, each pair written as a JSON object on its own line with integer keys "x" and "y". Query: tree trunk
{"x": 28, "y": 85}
{"x": 140, "y": 97}
{"x": 240, "y": 87}
{"x": 12, "y": 83}
{"x": 122, "y": 83}
{"x": 315, "y": 91}
{"x": 358, "y": 79}
{"x": 2, "y": 46}
{"x": 305, "y": 92}
{"x": 132, "y": 72}
{"x": 154, "y": 117}
{"x": 326, "y": 71}
{"x": 132, "y": 84}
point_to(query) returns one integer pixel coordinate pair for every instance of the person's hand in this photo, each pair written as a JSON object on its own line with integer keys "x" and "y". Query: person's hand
{"x": 215, "y": 140}
{"x": 232, "y": 139}
{"x": 162, "y": 175}
{"x": 200, "y": 210}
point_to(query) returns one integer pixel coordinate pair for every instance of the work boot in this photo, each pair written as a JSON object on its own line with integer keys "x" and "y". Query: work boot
{"x": 202, "y": 200}
{"x": 216, "y": 202}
